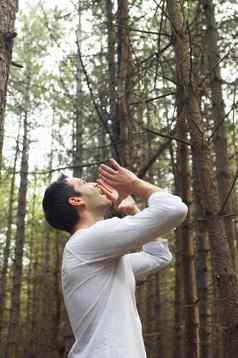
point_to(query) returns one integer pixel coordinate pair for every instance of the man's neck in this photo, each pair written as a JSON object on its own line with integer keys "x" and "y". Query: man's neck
{"x": 87, "y": 220}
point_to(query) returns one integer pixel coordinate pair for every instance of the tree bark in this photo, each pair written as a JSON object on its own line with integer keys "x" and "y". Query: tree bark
{"x": 8, "y": 9}
{"x": 202, "y": 266}
{"x": 35, "y": 316}
{"x": 111, "y": 62}
{"x": 183, "y": 185}
{"x": 30, "y": 314}
{"x": 226, "y": 279}
{"x": 178, "y": 351}
{"x": 57, "y": 294}
{"x": 6, "y": 254}
{"x": 123, "y": 70}
{"x": 141, "y": 298}
{"x": 78, "y": 122}
{"x": 12, "y": 347}
{"x": 218, "y": 116}
{"x": 179, "y": 300}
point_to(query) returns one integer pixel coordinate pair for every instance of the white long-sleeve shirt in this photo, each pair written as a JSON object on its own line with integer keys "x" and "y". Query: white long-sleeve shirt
{"x": 98, "y": 277}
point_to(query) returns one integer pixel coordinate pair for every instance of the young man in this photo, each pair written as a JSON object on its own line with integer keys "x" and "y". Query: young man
{"x": 98, "y": 272}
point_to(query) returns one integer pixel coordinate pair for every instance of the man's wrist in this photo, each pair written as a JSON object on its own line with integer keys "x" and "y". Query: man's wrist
{"x": 127, "y": 211}
{"x": 135, "y": 210}
{"x": 133, "y": 185}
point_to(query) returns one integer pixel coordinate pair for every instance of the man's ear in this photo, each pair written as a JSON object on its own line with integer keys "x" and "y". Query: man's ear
{"x": 75, "y": 201}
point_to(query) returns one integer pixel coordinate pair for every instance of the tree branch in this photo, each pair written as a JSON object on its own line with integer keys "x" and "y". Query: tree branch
{"x": 100, "y": 116}
{"x": 220, "y": 123}
{"x": 169, "y": 136}
{"x": 46, "y": 172}
{"x": 151, "y": 161}
{"x": 228, "y": 194}
{"x": 153, "y": 99}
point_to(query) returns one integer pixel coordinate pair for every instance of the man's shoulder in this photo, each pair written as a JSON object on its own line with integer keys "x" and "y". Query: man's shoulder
{"x": 98, "y": 226}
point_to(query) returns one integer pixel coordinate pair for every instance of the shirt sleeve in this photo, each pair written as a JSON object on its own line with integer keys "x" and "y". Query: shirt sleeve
{"x": 115, "y": 237}
{"x": 154, "y": 257}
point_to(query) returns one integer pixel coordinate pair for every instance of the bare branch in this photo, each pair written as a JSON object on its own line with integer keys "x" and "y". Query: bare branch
{"x": 228, "y": 194}
{"x": 152, "y": 99}
{"x": 46, "y": 172}
{"x": 220, "y": 123}
{"x": 97, "y": 109}
{"x": 169, "y": 136}
{"x": 154, "y": 157}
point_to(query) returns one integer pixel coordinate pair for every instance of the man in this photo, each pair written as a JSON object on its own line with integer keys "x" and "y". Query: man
{"x": 98, "y": 272}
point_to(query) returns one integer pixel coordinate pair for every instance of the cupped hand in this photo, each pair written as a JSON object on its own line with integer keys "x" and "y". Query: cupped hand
{"x": 126, "y": 206}
{"x": 117, "y": 177}
{"x": 111, "y": 193}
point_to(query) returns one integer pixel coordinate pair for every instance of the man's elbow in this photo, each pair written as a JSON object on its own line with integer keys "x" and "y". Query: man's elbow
{"x": 180, "y": 213}
{"x": 168, "y": 258}
{"x": 165, "y": 260}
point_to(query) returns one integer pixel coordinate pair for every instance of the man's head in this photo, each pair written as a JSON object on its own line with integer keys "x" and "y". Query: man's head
{"x": 68, "y": 198}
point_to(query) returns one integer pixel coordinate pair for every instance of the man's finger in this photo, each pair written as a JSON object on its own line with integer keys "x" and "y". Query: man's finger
{"x": 107, "y": 192}
{"x": 106, "y": 174}
{"x": 114, "y": 164}
{"x": 108, "y": 169}
{"x": 108, "y": 187}
{"x": 106, "y": 180}
{"x": 104, "y": 185}
{"x": 113, "y": 196}
{"x": 104, "y": 189}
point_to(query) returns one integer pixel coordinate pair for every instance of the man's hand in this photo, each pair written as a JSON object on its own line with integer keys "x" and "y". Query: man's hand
{"x": 118, "y": 178}
{"x": 111, "y": 193}
{"x": 125, "y": 206}
{"x": 128, "y": 206}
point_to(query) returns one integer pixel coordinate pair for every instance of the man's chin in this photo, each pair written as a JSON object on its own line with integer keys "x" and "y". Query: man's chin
{"x": 108, "y": 201}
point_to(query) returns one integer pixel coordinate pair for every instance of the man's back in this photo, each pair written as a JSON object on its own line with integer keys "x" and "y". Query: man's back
{"x": 98, "y": 277}
{"x": 100, "y": 301}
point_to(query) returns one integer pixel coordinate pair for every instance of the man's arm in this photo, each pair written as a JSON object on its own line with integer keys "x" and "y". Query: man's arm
{"x": 154, "y": 256}
{"x": 116, "y": 237}
{"x": 125, "y": 182}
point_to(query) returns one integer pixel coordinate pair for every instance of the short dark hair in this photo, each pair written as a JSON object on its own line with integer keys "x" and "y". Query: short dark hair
{"x": 58, "y": 212}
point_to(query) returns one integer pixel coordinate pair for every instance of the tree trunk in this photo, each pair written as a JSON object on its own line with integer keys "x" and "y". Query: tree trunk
{"x": 179, "y": 300}
{"x": 3, "y": 277}
{"x": 34, "y": 319}
{"x": 202, "y": 265}
{"x": 141, "y": 297}
{"x": 178, "y": 351}
{"x": 12, "y": 348}
{"x": 226, "y": 279}
{"x": 111, "y": 61}
{"x": 217, "y": 333}
{"x": 8, "y": 9}
{"x": 183, "y": 185}
{"x": 154, "y": 326}
{"x": 78, "y": 122}
{"x": 218, "y": 115}
{"x": 123, "y": 68}
{"x": 154, "y": 330}
{"x": 29, "y": 331}
{"x": 57, "y": 294}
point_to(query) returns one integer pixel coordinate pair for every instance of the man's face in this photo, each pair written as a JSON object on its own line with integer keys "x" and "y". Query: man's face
{"x": 91, "y": 194}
